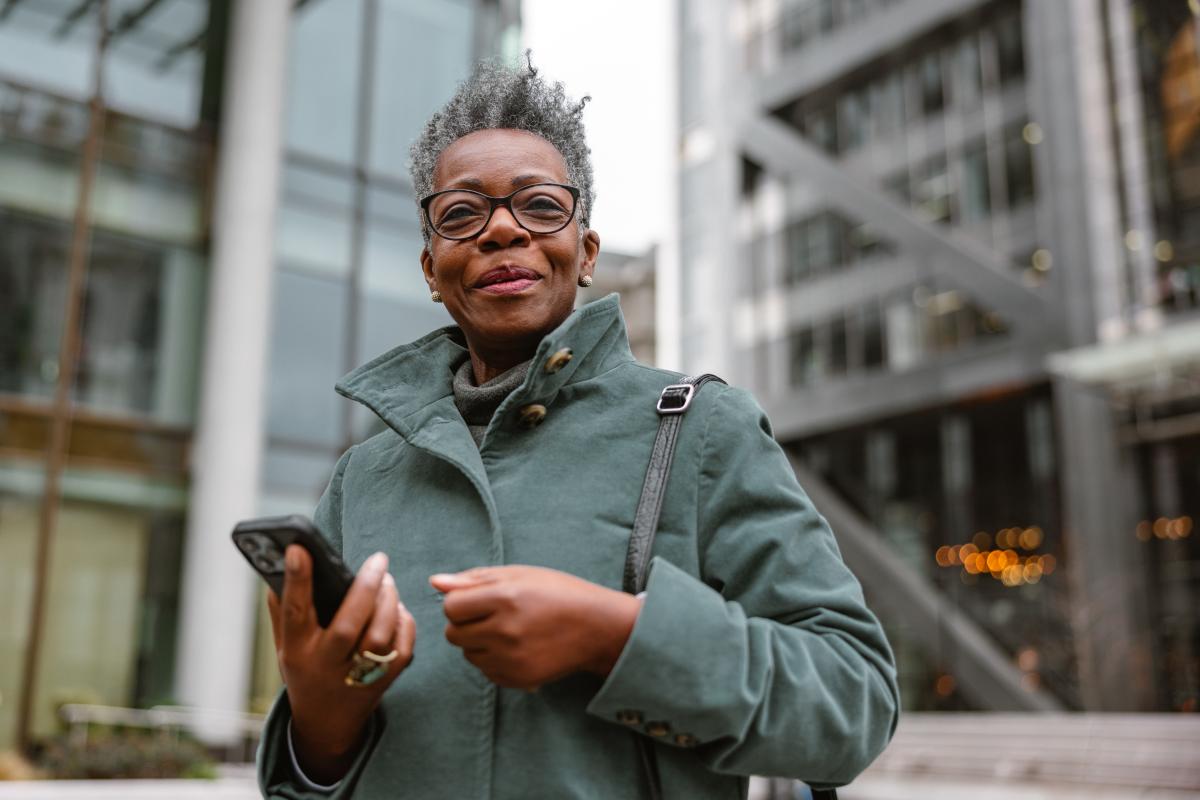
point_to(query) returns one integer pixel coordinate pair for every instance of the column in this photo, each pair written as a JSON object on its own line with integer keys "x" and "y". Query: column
{"x": 218, "y": 592}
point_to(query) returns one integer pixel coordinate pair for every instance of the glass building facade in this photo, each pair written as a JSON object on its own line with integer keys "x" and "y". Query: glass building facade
{"x": 930, "y": 205}
{"x": 362, "y": 77}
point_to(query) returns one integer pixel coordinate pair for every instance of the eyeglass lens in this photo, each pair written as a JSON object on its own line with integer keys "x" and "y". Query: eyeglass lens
{"x": 540, "y": 208}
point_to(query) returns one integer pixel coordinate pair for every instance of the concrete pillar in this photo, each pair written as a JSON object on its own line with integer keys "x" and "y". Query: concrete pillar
{"x": 217, "y": 614}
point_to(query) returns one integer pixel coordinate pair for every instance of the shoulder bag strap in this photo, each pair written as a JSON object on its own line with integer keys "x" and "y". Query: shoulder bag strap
{"x": 673, "y": 403}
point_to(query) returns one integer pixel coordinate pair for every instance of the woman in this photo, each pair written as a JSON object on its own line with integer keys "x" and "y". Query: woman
{"x": 498, "y": 504}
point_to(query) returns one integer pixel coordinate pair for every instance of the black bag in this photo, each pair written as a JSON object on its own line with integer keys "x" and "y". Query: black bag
{"x": 673, "y": 403}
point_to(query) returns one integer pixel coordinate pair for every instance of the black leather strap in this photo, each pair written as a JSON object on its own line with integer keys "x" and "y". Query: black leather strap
{"x": 673, "y": 403}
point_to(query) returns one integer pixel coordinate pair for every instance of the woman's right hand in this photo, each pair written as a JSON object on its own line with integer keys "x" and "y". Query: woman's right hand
{"x": 329, "y": 717}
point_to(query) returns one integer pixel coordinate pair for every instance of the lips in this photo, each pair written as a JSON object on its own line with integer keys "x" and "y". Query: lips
{"x": 506, "y": 279}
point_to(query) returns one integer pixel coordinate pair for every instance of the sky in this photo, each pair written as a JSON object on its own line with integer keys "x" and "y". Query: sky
{"x": 620, "y": 52}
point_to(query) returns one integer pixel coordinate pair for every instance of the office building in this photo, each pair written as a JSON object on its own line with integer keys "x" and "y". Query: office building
{"x": 954, "y": 248}
{"x": 230, "y": 129}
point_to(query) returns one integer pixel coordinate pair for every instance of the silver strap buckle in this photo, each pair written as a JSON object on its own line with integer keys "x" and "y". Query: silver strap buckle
{"x": 676, "y": 398}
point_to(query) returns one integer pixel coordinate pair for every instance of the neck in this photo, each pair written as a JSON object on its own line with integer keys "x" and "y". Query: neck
{"x": 488, "y": 365}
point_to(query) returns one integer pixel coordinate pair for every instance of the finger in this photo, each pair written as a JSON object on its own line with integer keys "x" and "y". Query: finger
{"x": 276, "y": 614}
{"x": 448, "y": 582}
{"x": 350, "y": 621}
{"x": 406, "y": 636}
{"x": 299, "y": 616}
{"x": 382, "y": 628}
{"x": 474, "y": 603}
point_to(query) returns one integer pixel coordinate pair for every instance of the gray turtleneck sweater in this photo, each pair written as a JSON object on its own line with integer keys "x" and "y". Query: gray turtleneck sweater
{"x": 477, "y": 404}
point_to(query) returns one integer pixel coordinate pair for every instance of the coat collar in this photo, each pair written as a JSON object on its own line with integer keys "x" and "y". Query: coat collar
{"x": 410, "y": 386}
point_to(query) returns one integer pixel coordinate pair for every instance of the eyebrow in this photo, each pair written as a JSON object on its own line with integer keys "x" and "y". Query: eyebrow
{"x": 520, "y": 180}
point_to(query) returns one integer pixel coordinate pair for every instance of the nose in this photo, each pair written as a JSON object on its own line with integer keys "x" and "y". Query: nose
{"x": 502, "y": 230}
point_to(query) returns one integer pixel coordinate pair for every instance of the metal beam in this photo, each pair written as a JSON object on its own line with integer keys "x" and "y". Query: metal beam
{"x": 8, "y": 7}
{"x": 855, "y": 400}
{"x": 949, "y": 256}
{"x": 79, "y": 12}
{"x": 983, "y": 670}
{"x": 823, "y": 61}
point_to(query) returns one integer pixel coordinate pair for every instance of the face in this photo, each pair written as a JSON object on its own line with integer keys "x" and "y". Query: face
{"x": 506, "y": 288}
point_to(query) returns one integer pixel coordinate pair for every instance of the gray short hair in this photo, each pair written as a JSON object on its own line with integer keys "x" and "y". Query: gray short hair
{"x": 500, "y": 96}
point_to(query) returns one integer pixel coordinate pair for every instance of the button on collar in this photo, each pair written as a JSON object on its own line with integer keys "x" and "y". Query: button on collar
{"x": 658, "y": 729}
{"x": 629, "y": 717}
{"x": 532, "y": 415}
{"x": 686, "y": 740}
{"x": 558, "y": 360}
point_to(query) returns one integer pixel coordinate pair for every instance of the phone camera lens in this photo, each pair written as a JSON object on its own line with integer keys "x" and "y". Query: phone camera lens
{"x": 267, "y": 564}
{"x": 248, "y": 545}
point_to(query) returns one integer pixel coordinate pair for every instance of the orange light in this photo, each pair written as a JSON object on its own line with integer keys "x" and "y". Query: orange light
{"x": 996, "y": 561}
{"x": 1032, "y": 572}
{"x": 1002, "y": 538}
{"x": 942, "y": 556}
{"x": 953, "y": 555}
{"x": 982, "y": 540}
{"x": 1027, "y": 659}
{"x": 1185, "y": 527}
{"x": 1049, "y": 564}
{"x": 1160, "y": 527}
{"x": 1011, "y": 557}
{"x": 1031, "y": 537}
{"x": 967, "y": 550}
{"x": 1031, "y": 681}
{"x": 969, "y": 564}
{"x": 944, "y": 686}
{"x": 1145, "y": 530}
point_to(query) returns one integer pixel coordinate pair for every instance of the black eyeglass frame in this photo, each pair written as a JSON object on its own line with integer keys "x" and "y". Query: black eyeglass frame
{"x": 505, "y": 201}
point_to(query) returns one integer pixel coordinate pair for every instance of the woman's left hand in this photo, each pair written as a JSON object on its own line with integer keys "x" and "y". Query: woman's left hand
{"x": 525, "y": 626}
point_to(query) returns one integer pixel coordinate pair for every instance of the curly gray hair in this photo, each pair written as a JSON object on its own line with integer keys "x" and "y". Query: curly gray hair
{"x": 500, "y": 96}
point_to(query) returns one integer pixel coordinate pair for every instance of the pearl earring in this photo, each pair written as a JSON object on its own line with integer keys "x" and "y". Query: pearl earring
{"x": 435, "y": 296}
{"x": 585, "y": 281}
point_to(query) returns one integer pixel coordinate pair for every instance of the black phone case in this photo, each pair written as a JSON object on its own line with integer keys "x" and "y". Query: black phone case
{"x": 331, "y": 577}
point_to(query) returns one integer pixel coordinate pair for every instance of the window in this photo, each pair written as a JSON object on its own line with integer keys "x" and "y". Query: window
{"x": 1018, "y": 167}
{"x": 930, "y": 73}
{"x": 821, "y": 128}
{"x": 853, "y": 119}
{"x": 871, "y": 325}
{"x": 974, "y": 200}
{"x": 803, "y": 357}
{"x": 968, "y": 78}
{"x": 1010, "y": 49}
{"x": 839, "y": 358}
{"x": 931, "y": 190}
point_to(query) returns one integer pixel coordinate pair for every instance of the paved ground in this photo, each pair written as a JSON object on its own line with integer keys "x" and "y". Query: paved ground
{"x": 223, "y": 789}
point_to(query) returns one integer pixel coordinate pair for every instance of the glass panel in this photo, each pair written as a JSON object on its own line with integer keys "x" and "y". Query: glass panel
{"x": 1010, "y": 48}
{"x": 853, "y": 120}
{"x": 36, "y": 49}
{"x": 974, "y": 200}
{"x": 426, "y": 47}
{"x": 322, "y": 75}
{"x": 932, "y": 97}
{"x": 307, "y": 359}
{"x": 872, "y": 335}
{"x": 155, "y": 62}
{"x": 803, "y": 357}
{"x": 33, "y": 292}
{"x": 968, "y": 78}
{"x": 931, "y": 190}
{"x": 391, "y": 259}
{"x": 1018, "y": 167}
{"x": 838, "y": 349}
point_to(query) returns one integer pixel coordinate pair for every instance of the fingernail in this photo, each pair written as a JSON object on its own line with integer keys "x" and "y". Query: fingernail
{"x": 441, "y": 577}
{"x": 388, "y": 579}
{"x": 377, "y": 562}
{"x": 291, "y": 559}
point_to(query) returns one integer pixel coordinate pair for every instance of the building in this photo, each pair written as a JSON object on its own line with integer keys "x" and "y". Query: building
{"x": 967, "y": 292}
{"x": 150, "y": 157}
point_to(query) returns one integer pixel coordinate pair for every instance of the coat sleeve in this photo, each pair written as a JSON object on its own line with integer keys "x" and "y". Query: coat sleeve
{"x": 277, "y": 780}
{"x": 769, "y": 663}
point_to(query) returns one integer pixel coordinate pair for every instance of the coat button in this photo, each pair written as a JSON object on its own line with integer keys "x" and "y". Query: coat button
{"x": 686, "y": 740}
{"x": 658, "y": 729}
{"x": 629, "y": 717}
{"x": 559, "y": 360}
{"x": 532, "y": 415}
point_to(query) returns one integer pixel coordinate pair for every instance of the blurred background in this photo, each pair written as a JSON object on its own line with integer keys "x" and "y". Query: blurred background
{"x": 953, "y": 247}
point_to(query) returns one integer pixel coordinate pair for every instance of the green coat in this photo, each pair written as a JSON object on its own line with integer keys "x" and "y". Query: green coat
{"x": 753, "y": 654}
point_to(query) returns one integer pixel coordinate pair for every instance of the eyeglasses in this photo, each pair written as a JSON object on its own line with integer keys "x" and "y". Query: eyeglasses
{"x": 460, "y": 214}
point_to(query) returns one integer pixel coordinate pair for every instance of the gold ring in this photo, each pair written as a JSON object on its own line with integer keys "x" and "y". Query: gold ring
{"x": 367, "y": 667}
{"x": 378, "y": 659}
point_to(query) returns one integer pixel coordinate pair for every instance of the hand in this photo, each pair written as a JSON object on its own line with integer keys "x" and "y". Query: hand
{"x": 525, "y": 626}
{"x": 329, "y": 718}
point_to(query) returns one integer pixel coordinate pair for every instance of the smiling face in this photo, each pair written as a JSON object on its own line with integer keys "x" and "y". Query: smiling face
{"x": 506, "y": 288}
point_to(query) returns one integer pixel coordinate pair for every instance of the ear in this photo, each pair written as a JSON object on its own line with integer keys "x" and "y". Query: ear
{"x": 590, "y": 247}
{"x": 427, "y": 268}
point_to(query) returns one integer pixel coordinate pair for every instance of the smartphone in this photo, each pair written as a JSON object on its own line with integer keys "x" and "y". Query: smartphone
{"x": 263, "y": 541}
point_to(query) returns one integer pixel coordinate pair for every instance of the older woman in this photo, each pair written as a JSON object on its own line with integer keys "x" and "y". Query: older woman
{"x": 498, "y": 504}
